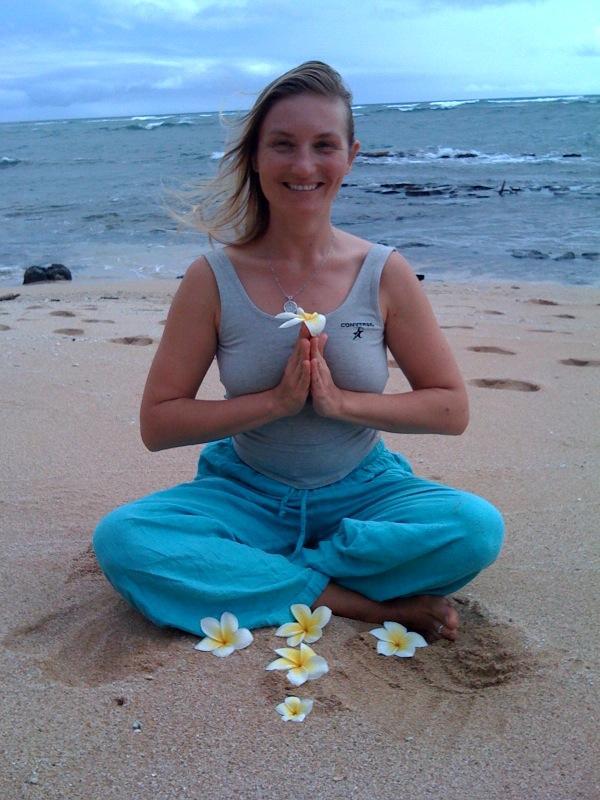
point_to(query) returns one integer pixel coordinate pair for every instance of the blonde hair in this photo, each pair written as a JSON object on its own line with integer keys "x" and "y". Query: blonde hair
{"x": 233, "y": 208}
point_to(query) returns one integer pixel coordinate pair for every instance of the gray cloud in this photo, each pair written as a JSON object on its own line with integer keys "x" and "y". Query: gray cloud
{"x": 84, "y": 57}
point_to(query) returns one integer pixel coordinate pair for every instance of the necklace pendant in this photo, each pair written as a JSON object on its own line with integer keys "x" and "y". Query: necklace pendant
{"x": 290, "y": 306}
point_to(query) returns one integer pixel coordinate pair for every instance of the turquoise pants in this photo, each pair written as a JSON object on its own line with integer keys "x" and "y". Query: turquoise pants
{"x": 235, "y": 540}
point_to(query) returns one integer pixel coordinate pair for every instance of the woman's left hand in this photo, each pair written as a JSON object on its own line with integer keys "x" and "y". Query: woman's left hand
{"x": 326, "y": 396}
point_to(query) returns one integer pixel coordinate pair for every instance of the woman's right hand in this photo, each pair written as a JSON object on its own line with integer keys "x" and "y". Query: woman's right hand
{"x": 292, "y": 391}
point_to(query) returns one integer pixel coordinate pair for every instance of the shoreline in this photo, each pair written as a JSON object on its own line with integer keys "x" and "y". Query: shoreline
{"x": 130, "y": 284}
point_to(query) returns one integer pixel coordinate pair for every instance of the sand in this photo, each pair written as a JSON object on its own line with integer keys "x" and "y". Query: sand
{"x": 510, "y": 711}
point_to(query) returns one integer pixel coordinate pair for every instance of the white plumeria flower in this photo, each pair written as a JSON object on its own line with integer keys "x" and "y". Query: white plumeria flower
{"x": 223, "y": 637}
{"x": 302, "y": 664}
{"x": 313, "y": 321}
{"x": 395, "y": 640}
{"x": 294, "y": 709}
{"x": 309, "y": 625}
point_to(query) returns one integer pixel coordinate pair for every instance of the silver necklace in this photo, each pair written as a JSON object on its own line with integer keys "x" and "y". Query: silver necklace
{"x": 290, "y": 305}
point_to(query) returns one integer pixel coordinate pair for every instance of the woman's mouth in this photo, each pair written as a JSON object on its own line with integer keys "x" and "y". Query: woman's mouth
{"x": 302, "y": 187}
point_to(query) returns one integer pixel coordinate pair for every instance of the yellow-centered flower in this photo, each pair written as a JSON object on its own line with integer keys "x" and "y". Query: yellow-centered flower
{"x": 308, "y": 627}
{"x": 294, "y": 709}
{"x": 314, "y": 322}
{"x": 395, "y": 640}
{"x": 302, "y": 664}
{"x": 223, "y": 637}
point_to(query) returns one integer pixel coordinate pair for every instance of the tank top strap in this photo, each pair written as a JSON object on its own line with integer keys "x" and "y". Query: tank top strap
{"x": 230, "y": 287}
{"x": 366, "y": 285}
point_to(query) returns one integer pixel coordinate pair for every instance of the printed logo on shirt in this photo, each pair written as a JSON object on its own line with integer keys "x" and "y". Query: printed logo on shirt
{"x": 359, "y": 328}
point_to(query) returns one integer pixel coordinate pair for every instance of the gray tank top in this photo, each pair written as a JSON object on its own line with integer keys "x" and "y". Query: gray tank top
{"x": 306, "y": 450}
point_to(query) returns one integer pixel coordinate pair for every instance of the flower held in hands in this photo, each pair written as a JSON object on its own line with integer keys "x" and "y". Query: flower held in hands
{"x": 308, "y": 627}
{"x": 313, "y": 321}
{"x": 294, "y": 709}
{"x": 302, "y": 664}
{"x": 395, "y": 640}
{"x": 223, "y": 637}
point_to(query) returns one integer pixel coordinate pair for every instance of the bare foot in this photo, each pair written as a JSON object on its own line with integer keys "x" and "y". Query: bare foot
{"x": 433, "y": 616}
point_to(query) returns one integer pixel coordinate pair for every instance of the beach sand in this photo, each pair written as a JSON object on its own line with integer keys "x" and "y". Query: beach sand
{"x": 510, "y": 711}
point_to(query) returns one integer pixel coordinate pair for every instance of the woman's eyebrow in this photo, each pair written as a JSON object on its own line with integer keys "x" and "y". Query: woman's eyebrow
{"x": 321, "y": 135}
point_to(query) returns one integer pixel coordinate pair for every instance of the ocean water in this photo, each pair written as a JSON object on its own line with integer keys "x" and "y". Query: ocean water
{"x": 503, "y": 190}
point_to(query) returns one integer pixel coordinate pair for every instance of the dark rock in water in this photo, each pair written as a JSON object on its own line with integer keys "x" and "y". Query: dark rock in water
{"x": 58, "y": 272}
{"x": 528, "y": 254}
{"x": 571, "y": 155}
{"x": 420, "y": 276}
{"x": 11, "y": 296}
{"x": 375, "y": 153}
{"x": 591, "y": 256}
{"x": 404, "y": 245}
{"x": 565, "y": 256}
{"x": 34, "y": 274}
{"x": 423, "y": 192}
{"x": 55, "y": 272}
{"x": 459, "y": 155}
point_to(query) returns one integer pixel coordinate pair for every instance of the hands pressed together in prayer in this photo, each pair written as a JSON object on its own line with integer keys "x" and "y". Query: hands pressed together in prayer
{"x": 307, "y": 372}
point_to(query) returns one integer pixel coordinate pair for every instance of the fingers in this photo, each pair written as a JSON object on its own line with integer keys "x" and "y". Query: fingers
{"x": 317, "y": 345}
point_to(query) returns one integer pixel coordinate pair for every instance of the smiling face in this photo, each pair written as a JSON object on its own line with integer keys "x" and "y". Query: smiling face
{"x": 303, "y": 153}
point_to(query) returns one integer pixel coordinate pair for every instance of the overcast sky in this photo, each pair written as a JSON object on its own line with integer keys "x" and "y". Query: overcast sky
{"x": 94, "y": 58}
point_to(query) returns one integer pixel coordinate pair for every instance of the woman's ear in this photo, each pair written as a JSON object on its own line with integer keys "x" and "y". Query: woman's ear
{"x": 354, "y": 150}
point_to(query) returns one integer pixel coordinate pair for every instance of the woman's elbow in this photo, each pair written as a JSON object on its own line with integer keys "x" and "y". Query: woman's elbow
{"x": 460, "y": 415}
{"x": 455, "y": 418}
{"x": 148, "y": 432}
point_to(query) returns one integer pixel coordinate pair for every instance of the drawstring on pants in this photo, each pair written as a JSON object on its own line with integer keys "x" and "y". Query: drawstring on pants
{"x": 284, "y": 507}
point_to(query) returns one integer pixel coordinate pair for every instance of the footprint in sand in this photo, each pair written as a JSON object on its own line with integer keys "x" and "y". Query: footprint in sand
{"x": 111, "y": 321}
{"x": 462, "y": 327}
{"x": 4, "y": 327}
{"x": 580, "y": 362}
{"x": 62, "y": 314}
{"x": 139, "y": 340}
{"x": 541, "y": 302}
{"x": 96, "y": 638}
{"x": 32, "y": 308}
{"x": 70, "y": 331}
{"x": 500, "y": 313}
{"x": 486, "y": 349}
{"x": 565, "y": 316}
{"x": 549, "y": 330}
{"x": 505, "y": 383}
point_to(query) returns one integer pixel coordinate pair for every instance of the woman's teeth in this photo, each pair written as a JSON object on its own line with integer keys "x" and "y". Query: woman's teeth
{"x": 302, "y": 187}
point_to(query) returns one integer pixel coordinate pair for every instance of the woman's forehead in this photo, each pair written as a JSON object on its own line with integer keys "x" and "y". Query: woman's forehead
{"x": 306, "y": 112}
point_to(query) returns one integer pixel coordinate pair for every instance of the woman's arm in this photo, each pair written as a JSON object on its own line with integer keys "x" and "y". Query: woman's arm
{"x": 170, "y": 414}
{"x": 438, "y": 401}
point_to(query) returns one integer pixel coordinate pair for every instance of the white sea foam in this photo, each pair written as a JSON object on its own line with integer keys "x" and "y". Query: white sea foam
{"x": 521, "y": 100}
{"x": 404, "y": 106}
{"x": 451, "y": 103}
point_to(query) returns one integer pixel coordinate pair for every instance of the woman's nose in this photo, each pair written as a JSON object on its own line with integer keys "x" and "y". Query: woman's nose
{"x": 303, "y": 162}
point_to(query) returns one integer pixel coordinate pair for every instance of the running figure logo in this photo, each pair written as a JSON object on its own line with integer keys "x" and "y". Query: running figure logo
{"x": 359, "y": 328}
